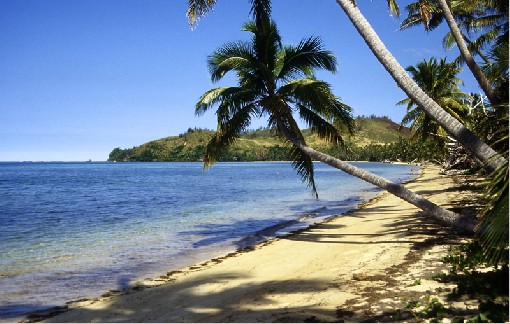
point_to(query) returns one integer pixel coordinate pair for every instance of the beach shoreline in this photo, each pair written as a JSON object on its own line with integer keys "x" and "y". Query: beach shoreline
{"x": 316, "y": 272}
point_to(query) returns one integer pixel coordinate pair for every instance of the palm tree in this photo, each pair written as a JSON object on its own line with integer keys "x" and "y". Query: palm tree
{"x": 276, "y": 81}
{"x": 466, "y": 54}
{"x": 489, "y": 159}
{"x": 487, "y": 18}
{"x": 471, "y": 16}
{"x": 428, "y": 14}
{"x": 497, "y": 72}
{"x": 439, "y": 81}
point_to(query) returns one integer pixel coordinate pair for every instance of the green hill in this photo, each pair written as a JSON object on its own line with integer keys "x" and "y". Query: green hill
{"x": 379, "y": 130}
{"x": 261, "y": 145}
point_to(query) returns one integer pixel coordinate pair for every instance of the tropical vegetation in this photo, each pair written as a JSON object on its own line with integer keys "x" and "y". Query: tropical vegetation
{"x": 376, "y": 139}
{"x": 475, "y": 125}
{"x": 480, "y": 28}
{"x": 439, "y": 80}
{"x": 486, "y": 21}
{"x": 274, "y": 81}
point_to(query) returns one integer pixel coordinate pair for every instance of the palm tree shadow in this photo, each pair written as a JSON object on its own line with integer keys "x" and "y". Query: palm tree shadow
{"x": 194, "y": 300}
{"x": 400, "y": 229}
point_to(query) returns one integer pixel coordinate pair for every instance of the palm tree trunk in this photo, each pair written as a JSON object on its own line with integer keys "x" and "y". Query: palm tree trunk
{"x": 490, "y": 159}
{"x": 445, "y": 216}
{"x": 464, "y": 51}
{"x": 482, "y": 56}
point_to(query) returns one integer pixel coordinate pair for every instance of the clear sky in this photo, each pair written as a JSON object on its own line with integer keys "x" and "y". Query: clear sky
{"x": 81, "y": 77}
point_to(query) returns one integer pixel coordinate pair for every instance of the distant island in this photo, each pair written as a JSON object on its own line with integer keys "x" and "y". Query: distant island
{"x": 376, "y": 139}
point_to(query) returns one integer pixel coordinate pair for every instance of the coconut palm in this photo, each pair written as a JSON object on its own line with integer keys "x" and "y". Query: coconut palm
{"x": 428, "y": 14}
{"x": 466, "y": 54}
{"x": 490, "y": 20}
{"x": 492, "y": 122}
{"x": 439, "y": 81}
{"x": 276, "y": 81}
{"x": 487, "y": 18}
{"x": 489, "y": 159}
{"x": 497, "y": 72}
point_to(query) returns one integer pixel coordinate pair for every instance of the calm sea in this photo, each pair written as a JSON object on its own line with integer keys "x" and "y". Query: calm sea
{"x": 75, "y": 230}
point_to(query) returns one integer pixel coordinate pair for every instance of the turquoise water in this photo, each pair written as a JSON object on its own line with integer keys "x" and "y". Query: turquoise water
{"x": 76, "y": 230}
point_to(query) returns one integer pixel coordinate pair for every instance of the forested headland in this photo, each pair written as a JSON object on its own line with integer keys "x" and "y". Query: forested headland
{"x": 375, "y": 139}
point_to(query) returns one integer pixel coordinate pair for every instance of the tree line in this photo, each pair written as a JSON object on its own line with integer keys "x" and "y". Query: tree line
{"x": 404, "y": 150}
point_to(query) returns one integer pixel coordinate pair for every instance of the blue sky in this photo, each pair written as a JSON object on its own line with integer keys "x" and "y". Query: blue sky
{"x": 81, "y": 77}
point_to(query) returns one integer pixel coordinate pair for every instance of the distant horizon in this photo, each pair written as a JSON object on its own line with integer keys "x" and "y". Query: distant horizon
{"x": 171, "y": 135}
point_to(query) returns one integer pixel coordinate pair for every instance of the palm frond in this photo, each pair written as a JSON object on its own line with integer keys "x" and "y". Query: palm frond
{"x": 231, "y": 56}
{"x": 310, "y": 92}
{"x": 411, "y": 114}
{"x": 197, "y": 9}
{"x": 301, "y": 60}
{"x": 497, "y": 71}
{"x": 287, "y": 128}
{"x": 321, "y": 127}
{"x": 424, "y": 13}
{"x": 260, "y": 8}
{"x": 393, "y": 6}
{"x": 266, "y": 45}
{"x": 303, "y": 165}
{"x": 261, "y": 11}
{"x": 405, "y": 101}
{"x": 250, "y": 79}
{"x": 410, "y": 21}
{"x": 214, "y": 96}
{"x": 476, "y": 24}
{"x": 436, "y": 20}
{"x": 439, "y": 80}
{"x": 227, "y": 134}
{"x": 236, "y": 102}
{"x": 317, "y": 96}
{"x": 492, "y": 230}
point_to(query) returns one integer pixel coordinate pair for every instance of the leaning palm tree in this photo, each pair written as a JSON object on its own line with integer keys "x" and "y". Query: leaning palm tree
{"x": 276, "y": 82}
{"x": 490, "y": 18}
{"x": 428, "y": 14}
{"x": 489, "y": 159}
{"x": 439, "y": 81}
{"x": 485, "y": 20}
{"x": 431, "y": 13}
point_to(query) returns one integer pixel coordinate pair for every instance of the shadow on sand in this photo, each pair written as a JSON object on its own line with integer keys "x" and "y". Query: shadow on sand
{"x": 232, "y": 304}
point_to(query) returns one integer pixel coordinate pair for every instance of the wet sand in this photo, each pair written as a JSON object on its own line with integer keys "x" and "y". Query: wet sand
{"x": 351, "y": 268}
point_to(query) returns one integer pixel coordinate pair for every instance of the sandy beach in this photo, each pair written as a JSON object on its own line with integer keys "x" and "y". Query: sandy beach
{"x": 360, "y": 266}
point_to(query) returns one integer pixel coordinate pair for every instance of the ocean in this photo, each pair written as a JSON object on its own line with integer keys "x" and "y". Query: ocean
{"x": 76, "y": 230}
